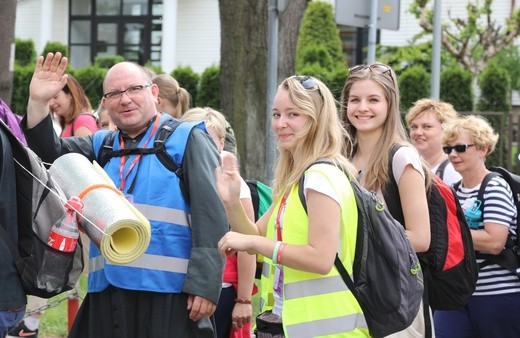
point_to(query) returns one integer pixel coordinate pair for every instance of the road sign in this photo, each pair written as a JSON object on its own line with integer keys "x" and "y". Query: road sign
{"x": 357, "y": 13}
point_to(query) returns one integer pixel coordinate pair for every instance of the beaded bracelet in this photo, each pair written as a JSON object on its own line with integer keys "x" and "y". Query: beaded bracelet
{"x": 275, "y": 252}
{"x": 242, "y": 301}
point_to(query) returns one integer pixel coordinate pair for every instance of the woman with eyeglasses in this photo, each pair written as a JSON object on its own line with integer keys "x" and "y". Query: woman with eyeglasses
{"x": 425, "y": 121}
{"x": 492, "y": 310}
{"x": 302, "y": 294}
{"x": 381, "y": 153}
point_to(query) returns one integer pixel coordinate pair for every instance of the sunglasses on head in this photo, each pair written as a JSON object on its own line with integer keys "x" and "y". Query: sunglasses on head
{"x": 375, "y": 67}
{"x": 307, "y": 82}
{"x": 459, "y": 148}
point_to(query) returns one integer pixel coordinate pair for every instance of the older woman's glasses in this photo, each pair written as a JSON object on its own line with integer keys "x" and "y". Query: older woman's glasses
{"x": 459, "y": 148}
{"x": 375, "y": 67}
{"x": 308, "y": 83}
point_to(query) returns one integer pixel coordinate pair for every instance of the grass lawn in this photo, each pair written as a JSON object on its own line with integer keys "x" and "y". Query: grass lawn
{"x": 54, "y": 321}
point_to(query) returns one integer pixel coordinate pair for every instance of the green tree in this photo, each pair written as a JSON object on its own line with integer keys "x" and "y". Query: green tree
{"x": 319, "y": 40}
{"x": 414, "y": 84}
{"x": 495, "y": 87}
{"x": 509, "y": 59}
{"x": 456, "y": 88}
{"x": 475, "y": 38}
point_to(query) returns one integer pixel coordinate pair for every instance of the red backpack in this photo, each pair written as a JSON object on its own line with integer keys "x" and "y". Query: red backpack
{"x": 449, "y": 266}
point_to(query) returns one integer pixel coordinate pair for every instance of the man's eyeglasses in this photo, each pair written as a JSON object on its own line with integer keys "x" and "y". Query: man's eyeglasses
{"x": 132, "y": 91}
{"x": 308, "y": 83}
{"x": 375, "y": 67}
{"x": 459, "y": 148}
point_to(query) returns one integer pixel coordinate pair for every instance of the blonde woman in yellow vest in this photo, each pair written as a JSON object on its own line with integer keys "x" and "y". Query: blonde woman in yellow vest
{"x": 302, "y": 290}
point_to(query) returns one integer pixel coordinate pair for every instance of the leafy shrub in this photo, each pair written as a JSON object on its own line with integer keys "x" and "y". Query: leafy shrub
{"x": 188, "y": 79}
{"x": 456, "y": 88}
{"x": 414, "y": 84}
{"x": 91, "y": 79}
{"x": 55, "y": 46}
{"x": 108, "y": 61}
{"x": 24, "y": 53}
{"x": 209, "y": 93}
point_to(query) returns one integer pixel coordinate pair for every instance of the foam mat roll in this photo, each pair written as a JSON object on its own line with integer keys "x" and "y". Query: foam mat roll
{"x": 120, "y": 231}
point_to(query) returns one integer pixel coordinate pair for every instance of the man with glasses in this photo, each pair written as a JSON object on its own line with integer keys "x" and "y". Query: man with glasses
{"x": 173, "y": 289}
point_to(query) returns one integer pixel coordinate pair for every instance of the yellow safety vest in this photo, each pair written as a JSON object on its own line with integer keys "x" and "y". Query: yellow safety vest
{"x": 316, "y": 305}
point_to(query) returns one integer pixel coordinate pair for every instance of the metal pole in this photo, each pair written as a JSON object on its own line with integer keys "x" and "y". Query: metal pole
{"x": 372, "y": 32}
{"x": 436, "y": 51}
{"x": 272, "y": 79}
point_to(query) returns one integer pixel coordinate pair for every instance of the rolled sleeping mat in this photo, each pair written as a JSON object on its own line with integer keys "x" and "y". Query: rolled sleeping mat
{"x": 119, "y": 230}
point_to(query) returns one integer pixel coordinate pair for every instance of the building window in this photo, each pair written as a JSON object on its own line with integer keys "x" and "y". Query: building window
{"x": 130, "y": 28}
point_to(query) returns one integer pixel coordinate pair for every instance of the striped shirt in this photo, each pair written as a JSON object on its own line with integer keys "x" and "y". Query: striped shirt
{"x": 499, "y": 208}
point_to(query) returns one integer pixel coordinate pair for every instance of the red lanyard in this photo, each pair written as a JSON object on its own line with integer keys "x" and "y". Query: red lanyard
{"x": 122, "y": 162}
{"x": 278, "y": 220}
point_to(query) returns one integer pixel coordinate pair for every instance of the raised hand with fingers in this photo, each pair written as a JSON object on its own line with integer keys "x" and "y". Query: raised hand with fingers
{"x": 49, "y": 77}
{"x": 228, "y": 178}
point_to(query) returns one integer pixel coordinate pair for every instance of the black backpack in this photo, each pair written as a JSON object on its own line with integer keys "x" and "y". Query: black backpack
{"x": 509, "y": 258}
{"x": 387, "y": 279}
{"x": 449, "y": 266}
{"x": 261, "y": 196}
{"x": 40, "y": 204}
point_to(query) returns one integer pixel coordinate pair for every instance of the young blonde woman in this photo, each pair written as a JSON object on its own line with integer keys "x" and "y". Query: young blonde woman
{"x": 302, "y": 294}
{"x": 379, "y": 150}
{"x": 234, "y": 309}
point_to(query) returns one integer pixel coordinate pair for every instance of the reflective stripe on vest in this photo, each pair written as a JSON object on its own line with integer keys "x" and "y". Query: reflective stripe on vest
{"x": 325, "y": 327}
{"x": 147, "y": 261}
{"x": 163, "y": 214}
{"x": 313, "y": 287}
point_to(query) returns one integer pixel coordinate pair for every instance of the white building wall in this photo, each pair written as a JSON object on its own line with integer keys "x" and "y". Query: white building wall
{"x": 409, "y": 25}
{"x": 28, "y": 20}
{"x": 198, "y": 34}
{"x": 42, "y": 21}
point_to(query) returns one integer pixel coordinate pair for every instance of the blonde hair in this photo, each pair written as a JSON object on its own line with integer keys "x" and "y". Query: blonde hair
{"x": 377, "y": 170}
{"x": 170, "y": 90}
{"x": 322, "y": 138}
{"x": 211, "y": 117}
{"x": 478, "y": 128}
{"x": 443, "y": 111}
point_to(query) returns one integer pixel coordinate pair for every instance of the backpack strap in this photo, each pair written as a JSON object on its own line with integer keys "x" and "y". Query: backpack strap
{"x": 72, "y": 131}
{"x": 107, "y": 152}
{"x": 253, "y": 188}
{"x": 337, "y": 261}
{"x": 507, "y": 258}
{"x": 440, "y": 169}
{"x": 391, "y": 190}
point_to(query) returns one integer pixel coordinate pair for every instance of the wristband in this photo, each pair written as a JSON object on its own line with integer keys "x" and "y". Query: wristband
{"x": 242, "y": 301}
{"x": 275, "y": 252}
{"x": 279, "y": 254}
